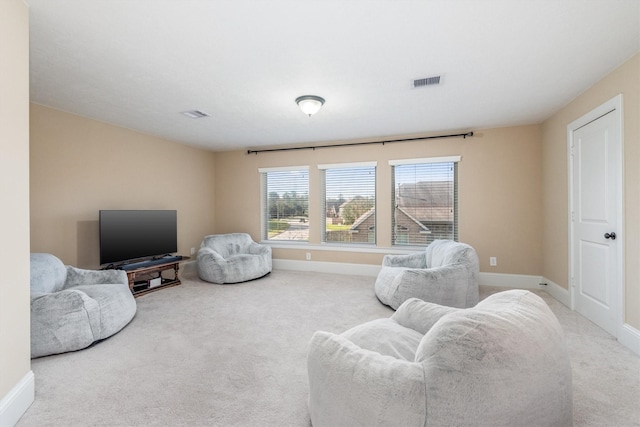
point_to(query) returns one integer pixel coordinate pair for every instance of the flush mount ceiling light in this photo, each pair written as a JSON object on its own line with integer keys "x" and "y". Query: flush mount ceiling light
{"x": 309, "y": 104}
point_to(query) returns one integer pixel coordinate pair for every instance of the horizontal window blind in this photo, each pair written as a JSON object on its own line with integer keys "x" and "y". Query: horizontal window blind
{"x": 348, "y": 203}
{"x": 285, "y": 203}
{"x": 424, "y": 201}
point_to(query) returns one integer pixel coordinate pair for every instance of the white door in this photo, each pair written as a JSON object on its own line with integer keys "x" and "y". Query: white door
{"x": 596, "y": 216}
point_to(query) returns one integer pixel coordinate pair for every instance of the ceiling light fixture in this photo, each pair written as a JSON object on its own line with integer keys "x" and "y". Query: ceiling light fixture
{"x": 310, "y": 104}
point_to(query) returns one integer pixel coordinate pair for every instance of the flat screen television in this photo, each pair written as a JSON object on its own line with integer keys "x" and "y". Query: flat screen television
{"x": 128, "y": 235}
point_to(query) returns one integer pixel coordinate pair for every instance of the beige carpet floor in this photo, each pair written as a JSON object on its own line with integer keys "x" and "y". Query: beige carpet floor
{"x": 235, "y": 355}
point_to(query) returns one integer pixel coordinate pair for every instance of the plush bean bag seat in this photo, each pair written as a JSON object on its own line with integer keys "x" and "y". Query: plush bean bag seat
{"x": 72, "y": 308}
{"x": 232, "y": 258}
{"x": 445, "y": 273}
{"x": 501, "y": 363}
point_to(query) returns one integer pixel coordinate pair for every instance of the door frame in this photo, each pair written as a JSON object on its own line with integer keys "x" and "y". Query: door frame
{"x": 613, "y": 106}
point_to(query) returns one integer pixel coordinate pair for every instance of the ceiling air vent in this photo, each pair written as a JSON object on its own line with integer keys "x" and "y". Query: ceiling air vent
{"x": 427, "y": 81}
{"x": 195, "y": 114}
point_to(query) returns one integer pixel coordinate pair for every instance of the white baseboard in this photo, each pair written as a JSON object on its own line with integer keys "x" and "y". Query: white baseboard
{"x": 327, "y": 267}
{"x": 557, "y": 291}
{"x": 519, "y": 281}
{"x": 522, "y": 281}
{"x": 17, "y": 401}
{"x": 629, "y": 337}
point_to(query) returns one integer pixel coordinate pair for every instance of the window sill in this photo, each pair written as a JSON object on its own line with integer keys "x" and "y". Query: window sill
{"x": 332, "y": 247}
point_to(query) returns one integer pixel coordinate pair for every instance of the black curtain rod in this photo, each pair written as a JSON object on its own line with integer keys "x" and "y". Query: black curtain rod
{"x": 350, "y": 144}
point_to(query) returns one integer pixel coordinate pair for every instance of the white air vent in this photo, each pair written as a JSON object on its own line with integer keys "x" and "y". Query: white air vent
{"x": 195, "y": 114}
{"x": 427, "y": 81}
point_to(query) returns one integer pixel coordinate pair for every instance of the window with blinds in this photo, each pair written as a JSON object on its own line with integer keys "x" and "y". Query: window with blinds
{"x": 285, "y": 203}
{"x": 424, "y": 200}
{"x": 348, "y": 203}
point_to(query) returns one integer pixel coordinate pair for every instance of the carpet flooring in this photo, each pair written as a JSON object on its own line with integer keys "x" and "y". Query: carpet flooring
{"x": 201, "y": 354}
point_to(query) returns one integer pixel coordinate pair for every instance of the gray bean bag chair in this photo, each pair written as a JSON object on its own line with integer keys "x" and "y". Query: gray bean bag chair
{"x": 72, "y": 308}
{"x": 445, "y": 273}
{"x": 501, "y": 363}
{"x": 232, "y": 258}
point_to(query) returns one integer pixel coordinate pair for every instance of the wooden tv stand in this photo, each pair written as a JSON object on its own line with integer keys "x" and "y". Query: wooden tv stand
{"x": 138, "y": 276}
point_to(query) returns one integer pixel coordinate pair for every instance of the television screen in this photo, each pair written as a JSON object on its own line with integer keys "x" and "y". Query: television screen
{"x": 135, "y": 234}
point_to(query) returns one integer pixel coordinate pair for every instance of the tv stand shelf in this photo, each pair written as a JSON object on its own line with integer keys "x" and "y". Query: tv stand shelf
{"x": 144, "y": 274}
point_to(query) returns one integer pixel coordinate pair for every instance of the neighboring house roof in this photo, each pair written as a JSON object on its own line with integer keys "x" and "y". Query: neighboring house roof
{"x": 430, "y": 215}
{"x": 370, "y": 212}
{"x": 438, "y": 195}
{"x": 408, "y": 215}
{"x": 362, "y": 219}
{"x": 435, "y": 193}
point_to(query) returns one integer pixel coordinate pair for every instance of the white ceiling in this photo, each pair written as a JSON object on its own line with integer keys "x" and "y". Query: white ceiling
{"x": 139, "y": 63}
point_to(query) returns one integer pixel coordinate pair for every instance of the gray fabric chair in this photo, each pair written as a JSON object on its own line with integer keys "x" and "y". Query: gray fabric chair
{"x": 71, "y": 308}
{"x": 232, "y": 258}
{"x": 501, "y": 363}
{"x": 445, "y": 273}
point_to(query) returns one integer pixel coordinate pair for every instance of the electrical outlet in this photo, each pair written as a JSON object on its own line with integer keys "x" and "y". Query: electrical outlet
{"x": 493, "y": 261}
{"x": 193, "y": 251}
{"x": 308, "y": 256}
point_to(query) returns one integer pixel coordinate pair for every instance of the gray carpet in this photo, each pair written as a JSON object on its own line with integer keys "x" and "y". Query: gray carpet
{"x": 235, "y": 355}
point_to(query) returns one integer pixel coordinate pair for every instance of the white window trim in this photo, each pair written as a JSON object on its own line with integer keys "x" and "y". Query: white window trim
{"x": 348, "y": 165}
{"x": 283, "y": 169}
{"x": 337, "y": 247}
{"x": 446, "y": 159}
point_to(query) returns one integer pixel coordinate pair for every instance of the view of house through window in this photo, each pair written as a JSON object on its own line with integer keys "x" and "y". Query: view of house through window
{"x": 424, "y": 200}
{"x": 349, "y": 201}
{"x": 285, "y": 204}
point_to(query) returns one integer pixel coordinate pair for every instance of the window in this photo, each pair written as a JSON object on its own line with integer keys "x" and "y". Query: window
{"x": 348, "y": 202}
{"x": 424, "y": 200}
{"x": 285, "y": 203}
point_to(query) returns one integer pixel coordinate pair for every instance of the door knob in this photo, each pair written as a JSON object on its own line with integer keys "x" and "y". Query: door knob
{"x": 611, "y": 235}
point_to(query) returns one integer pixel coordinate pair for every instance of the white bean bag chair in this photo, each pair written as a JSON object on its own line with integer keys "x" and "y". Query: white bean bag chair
{"x": 71, "y": 308}
{"x": 232, "y": 258}
{"x": 445, "y": 273}
{"x": 501, "y": 363}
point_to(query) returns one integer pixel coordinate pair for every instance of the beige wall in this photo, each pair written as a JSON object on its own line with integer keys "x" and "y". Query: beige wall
{"x": 624, "y": 80}
{"x": 79, "y": 166}
{"x": 499, "y": 192}
{"x": 15, "y": 361}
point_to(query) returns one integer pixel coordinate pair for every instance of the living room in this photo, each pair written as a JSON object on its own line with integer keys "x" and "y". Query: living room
{"x": 513, "y": 192}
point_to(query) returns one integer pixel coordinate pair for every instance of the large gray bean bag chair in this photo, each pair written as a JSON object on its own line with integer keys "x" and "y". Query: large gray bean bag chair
{"x": 71, "y": 308}
{"x": 445, "y": 273}
{"x": 501, "y": 363}
{"x": 232, "y": 258}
